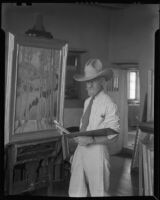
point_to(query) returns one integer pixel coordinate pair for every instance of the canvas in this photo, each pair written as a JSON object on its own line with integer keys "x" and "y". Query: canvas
{"x": 34, "y": 86}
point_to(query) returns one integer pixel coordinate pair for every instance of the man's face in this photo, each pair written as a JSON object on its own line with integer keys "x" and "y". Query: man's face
{"x": 93, "y": 86}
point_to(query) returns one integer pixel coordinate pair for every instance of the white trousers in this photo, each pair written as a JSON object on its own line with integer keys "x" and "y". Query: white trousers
{"x": 90, "y": 169}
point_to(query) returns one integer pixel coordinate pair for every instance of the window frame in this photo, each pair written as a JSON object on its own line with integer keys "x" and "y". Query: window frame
{"x": 137, "y": 87}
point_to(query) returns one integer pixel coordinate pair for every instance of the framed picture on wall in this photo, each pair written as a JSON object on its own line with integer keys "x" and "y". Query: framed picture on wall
{"x": 35, "y": 82}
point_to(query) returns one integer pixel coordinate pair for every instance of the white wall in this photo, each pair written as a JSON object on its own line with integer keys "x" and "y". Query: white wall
{"x": 72, "y": 117}
{"x": 132, "y": 39}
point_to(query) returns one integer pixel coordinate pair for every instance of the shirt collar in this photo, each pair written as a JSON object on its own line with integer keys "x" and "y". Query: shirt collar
{"x": 97, "y": 95}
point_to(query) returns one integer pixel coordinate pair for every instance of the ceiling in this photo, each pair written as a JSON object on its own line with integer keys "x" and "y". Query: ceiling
{"x": 49, "y": 5}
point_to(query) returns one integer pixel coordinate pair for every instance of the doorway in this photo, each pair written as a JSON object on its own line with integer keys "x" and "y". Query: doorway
{"x": 133, "y": 95}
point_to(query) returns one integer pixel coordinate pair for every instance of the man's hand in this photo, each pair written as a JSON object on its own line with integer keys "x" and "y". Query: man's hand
{"x": 83, "y": 140}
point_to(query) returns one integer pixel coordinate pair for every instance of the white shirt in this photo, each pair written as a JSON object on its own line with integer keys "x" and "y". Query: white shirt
{"x": 103, "y": 113}
{"x": 91, "y": 162}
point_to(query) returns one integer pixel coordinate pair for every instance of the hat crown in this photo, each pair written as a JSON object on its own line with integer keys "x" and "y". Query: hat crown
{"x": 92, "y": 70}
{"x": 93, "y": 67}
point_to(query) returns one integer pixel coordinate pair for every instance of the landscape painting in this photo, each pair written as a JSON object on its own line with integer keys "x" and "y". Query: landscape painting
{"x": 36, "y": 89}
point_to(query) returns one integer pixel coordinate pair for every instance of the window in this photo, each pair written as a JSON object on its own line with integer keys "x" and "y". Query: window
{"x": 133, "y": 85}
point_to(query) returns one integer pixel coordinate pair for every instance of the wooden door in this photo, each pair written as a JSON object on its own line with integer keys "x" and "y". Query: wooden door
{"x": 117, "y": 90}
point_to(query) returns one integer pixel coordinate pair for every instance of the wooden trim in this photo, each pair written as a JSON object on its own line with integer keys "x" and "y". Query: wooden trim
{"x": 47, "y": 137}
{"x": 39, "y": 42}
{"x": 125, "y": 65}
{"x": 76, "y": 51}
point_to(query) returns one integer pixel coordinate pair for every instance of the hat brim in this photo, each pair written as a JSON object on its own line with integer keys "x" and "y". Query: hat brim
{"x": 107, "y": 74}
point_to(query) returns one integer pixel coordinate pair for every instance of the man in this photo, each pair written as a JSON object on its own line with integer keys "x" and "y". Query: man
{"x": 90, "y": 163}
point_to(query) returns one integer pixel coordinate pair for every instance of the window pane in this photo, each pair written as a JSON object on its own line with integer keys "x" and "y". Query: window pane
{"x": 132, "y": 91}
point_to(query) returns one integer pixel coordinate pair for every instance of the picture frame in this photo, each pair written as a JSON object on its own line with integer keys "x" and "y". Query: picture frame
{"x": 34, "y": 87}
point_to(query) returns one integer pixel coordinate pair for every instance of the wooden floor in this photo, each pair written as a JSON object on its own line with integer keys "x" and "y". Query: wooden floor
{"x": 122, "y": 182}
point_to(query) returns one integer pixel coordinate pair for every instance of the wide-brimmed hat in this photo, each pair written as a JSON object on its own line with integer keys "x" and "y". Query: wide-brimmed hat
{"x": 93, "y": 70}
